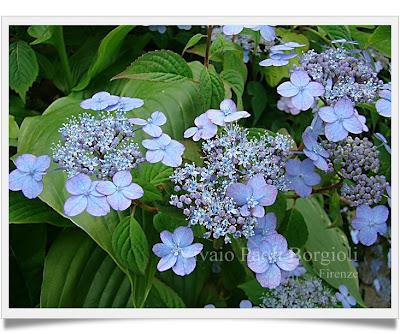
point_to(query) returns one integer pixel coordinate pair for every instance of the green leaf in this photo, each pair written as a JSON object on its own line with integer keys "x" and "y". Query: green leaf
{"x": 162, "y": 66}
{"x": 106, "y": 55}
{"x": 24, "y": 67}
{"x": 193, "y": 41}
{"x": 336, "y": 32}
{"x": 193, "y": 152}
{"x": 253, "y": 290}
{"x": 279, "y": 207}
{"x": 381, "y": 40}
{"x": 274, "y": 74}
{"x": 43, "y": 34}
{"x": 258, "y": 100}
{"x": 161, "y": 295}
{"x": 168, "y": 221}
{"x": 205, "y": 88}
{"x": 130, "y": 245}
{"x": 236, "y": 82}
{"x": 325, "y": 240}
{"x": 77, "y": 273}
{"x": 13, "y": 130}
{"x": 295, "y": 229}
{"x": 218, "y": 91}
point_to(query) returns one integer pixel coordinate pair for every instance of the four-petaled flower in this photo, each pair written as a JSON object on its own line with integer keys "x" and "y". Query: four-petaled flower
{"x": 384, "y": 104}
{"x": 285, "y": 104}
{"x": 84, "y": 197}
{"x": 100, "y": 101}
{"x": 267, "y": 32}
{"x": 126, "y": 104}
{"x": 228, "y": 113}
{"x": 301, "y": 89}
{"x": 270, "y": 259}
{"x": 152, "y": 125}
{"x": 302, "y": 176}
{"x": 341, "y": 119}
{"x": 177, "y": 251}
{"x": 164, "y": 149}
{"x": 265, "y": 226}
{"x": 344, "y": 297}
{"x": 314, "y": 150}
{"x": 28, "y": 175}
{"x": 204, "y": 129}
{"x": 252, "y": 196}
{"x": 121, "y": 191}
{"x": 370, "y": 222}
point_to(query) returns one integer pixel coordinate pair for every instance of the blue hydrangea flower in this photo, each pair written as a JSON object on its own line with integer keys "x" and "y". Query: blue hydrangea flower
{"x": 265, "y": 226}
{"x": 302, "y": 176}
{"x": 384, "y": 104}
{"x": 184, "y": 27}
{"x": 245, "y": 304}
{"x": 28, "y": 175}
{"x": 270, "y": 258}
{"x": 152, "y": 125}
{"x": 100, "y": 101}
{"x": 268, "y": 33}
{"x": 84, "y": 197}
{"x": 370, "y": 222}
{"x": 278, "y": 58}
{"x": 341, "y": 119}
{"x": 177, "y": 251}
{"x": 384, "y": 141}
{"x": 314, "y": 150}
{"x": 288, "y": 46}
{"x": 126, "y": 104}
{"x": 121, "y": 191}
{"x": 252, "y": 196}
{"x": 285, "y": 104}
{"x": 160, "y": 29}
{"x": 344, "y": 297}
{"x": 209, "y": 306}
{"x": 204, "y": 129}
{"x": 228, "y": 113}
{"x": 301, "y": 89}
{"x": 164, "y": 149}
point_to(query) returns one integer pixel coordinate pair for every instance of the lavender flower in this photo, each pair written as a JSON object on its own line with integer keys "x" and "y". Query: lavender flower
{"x": 344, "y": 297}
{"x": 252, "y": 196}
{"x": 177, "y": 251}
{"x": 121, "y": 191}
{"x": 29, "y": 174}
{"x": 164, "y": 149}
{"x": 184, "y": 27}
{"x": 302, "y": 176}
{"x": 285, "y": 104}
{"x": 314, "y": 150}
{"x": 301, "y": 89}
{"x": 204, "y": 128}
{"x": 384, "y": 104}
{"x": 126, "y": 104}
{"x": 269, "y": 259}
{"x": 370, "y": 222}
{"x": 228, "y": 113}
{"x": 267, "y": 32}
{"x": 264, "y": 227}
{"x": 246, "y": 304}
{"x": 100, "y": 101}
{"x": 288, "y": 46}
{"x": 278, "y": 58}
{"x": 158, "y": 28}
{"x": 84, "y": 197}
{"x": 384, "y": 142}
{"x": 152, "y": 125}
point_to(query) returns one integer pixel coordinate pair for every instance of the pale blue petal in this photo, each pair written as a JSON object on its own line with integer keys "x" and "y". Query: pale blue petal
{"x": 227, "y": 106}
{"x": 152, "y": 130}
{"x": 183, "y": 236}
{"x": 106, "y": 187}
{"x": 256, "y": 261}
{"x": 158, "y": 118}
{"x": 239, "y": 193}
{"x": 32, "y": 188}
{"x": 315, "y": 89}
{"x": 78, "y": 184}
{"x": 384, "y": 107}
{"x": 190, "y": 132}
{"x": 380, "y": 214}
{"x": 118, "y": 201}
{"x": 216, "y": 116}
{"x": 344, "y": 108}
{"x": 335, "y": 132}
{"x": 258, "y": 211}
{"x": 288, "y": 261}
{"x": 268, "y": 33}
{"x": 236, "y": 116}
{"x": 184, "y": 266}
{"x": 166, "y": 262}
{"x": 232, "y": 29}
{"x": 303, "y": 100}
{"x": 155, "y": 156}
{"x": 42, "y": 163}
{"x": 166, "y": 238}
{"x": 327, "y": 114}
{"x": 287, "y": 89}
{"x": 74, "y": 205}
{"x": 353, "y": 125}
{"x": 161, "y": 250}
{"x": 191, "y": 250}
{"x": 26, "y": 162}
{"x": 17, "y": 179}
{"x": 368, "y": 236}
{"x": 133, "y": 191}
{"x": 299, "y": 78}
{"x": 122, "y": 178}
{"x": 97, "y": 206}
{"x": 293, "y": 167}
{"x": 137, "y": 121}
{"x": 271, "y": 278}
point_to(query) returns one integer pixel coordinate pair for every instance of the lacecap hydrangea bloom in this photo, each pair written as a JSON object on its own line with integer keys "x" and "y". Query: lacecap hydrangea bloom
{"x": 302, "y": 176}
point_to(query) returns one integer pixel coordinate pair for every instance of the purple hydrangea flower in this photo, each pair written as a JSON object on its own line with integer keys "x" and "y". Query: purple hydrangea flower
{"x": 160, "y": 29}
{"x": 278, "y": 58}
{"x": 384, "y": 141}
{"x": 177, "y": 251}
{"x": 84, "y": 197}
{"x": 29, "y": 174}
{"x": 270, "y": 259}
{"x": 209, "y": 306}
{"x": 265, "y": 226}
{"x": 228, "y": 113}
{"x": 121, "y": 191}
{"x": 341, "y": 119}
{"x": 344, "y": 297}
{"x": 164, "y": 149}
{"x": 288, "y": 46}
{"x": 268, "y": 33}
{"x": 285, "y": 104}
{"x": 370, "y": 222}
{"x": 126, "y": 104}
{"x": 184, "y": 27}
{"x": 204, "y": 129}
{"x": 152, "y": 125}
{"x": 252, "y": 196}
{"x": 301, "y": 89}
{"x": 302, "y": 176}
{"x": 245, "y": 304}
{"x": 100, "y": 101}
{"x": 314, "y": 150}
{"x": 384, "y": 104}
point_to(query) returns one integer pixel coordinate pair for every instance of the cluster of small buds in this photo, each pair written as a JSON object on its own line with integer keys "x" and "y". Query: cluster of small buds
{"x": 229, "y": 158}
{"x": 343, "y": 74}
{"x": 300, "y": 292}
{"x": 97, "y": 145}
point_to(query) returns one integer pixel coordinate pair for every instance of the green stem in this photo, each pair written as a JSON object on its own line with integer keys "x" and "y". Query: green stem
{"x": 59, "y": 44}
{"x": 207, "y": 55}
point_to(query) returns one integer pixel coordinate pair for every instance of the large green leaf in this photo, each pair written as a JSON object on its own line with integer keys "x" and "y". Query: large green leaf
{"x": 77, "y": 273}
{"x": 161, "y": 295}
{"x": 381, "y": 40}
{"x": 23, "y": 69}
{"x": 329, "y": 248}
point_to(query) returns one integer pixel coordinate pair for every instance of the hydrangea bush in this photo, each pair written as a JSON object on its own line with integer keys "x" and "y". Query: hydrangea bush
{"x": 201, "y": 166}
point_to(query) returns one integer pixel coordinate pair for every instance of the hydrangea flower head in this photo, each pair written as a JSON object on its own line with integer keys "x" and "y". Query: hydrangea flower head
{"x": 204, "y": 129}
{"x": 84, "y": 197}
{"x": 164, "y": 149}
{"x": 384, "y": 104}
{"x": 28, "y": 175}
{"x": 344, "y": 297}
{"x": 341, "y": 119}
{"x": 228, "y": 113}
{"x": 370, "y": 222}
{"x": 264, "y": 227}
{"x": 270, "y": 258}
{"x": 301, "y": 89}
{"x": 302, "y": 176}
{"x": 126, "y": 104}
{"x": 278, "y": 59}
{"x": 252, "y": 196}
{"x": 314, "y": 150}
{"x": 152, "y": 125}
{"x": 285, "y": 104}
{"x": 100, "y": 101}
{"x": 177, "y": 251}
{"x": 121, "y": 191}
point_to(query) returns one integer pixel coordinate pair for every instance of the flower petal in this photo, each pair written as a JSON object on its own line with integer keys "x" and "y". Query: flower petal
{"x": 288, "y": 261}
{"x": 190, "y": 132}
{"x": 42, "y": 163}
{"x": 106, "y": 187}
{"x": 154, "y": 156}
{"x": 239, "y": 192}
{"x": 183, "y": 236}
{"x": 353, "y": 125}
{"x": 97, "y": 206}
{"x": 16, "y": 179}
{"x": 303, "y": 100}
{"x": 315, "y": 89}
{"x": 216, "y": 117}
{"x": 299, "y": 78}
{"x": 335, "y": 131}
{"x": 122, "y": 178}
{"x": 161, "y": 250}
{"x": 344, "y": 108}
{"x": 26, "y": 162}
{"x": 166, "y": 262}
{"x": 32, "y": 188}
{"x": 118, "y": 201}
{"x": 236, "y": 116}
{"x": 287, "y": 89}
{"x": 158, "y": 118}
{"x": 327, "y": 114}
{"x": 384, "y": 107}
{"x": 74, "y": 205}
{"x": 368, "y": 236}
{"x": 78, "y": 184}
{"x": 133, "y": 191}
{"x": 166, "y": 238}
{"x": 184, "y": 266}
{"x": 227, "y": 106}
{"x": 192, "y": 250}
{"x": 255, "y": 260}
{"x": 258, "y": 211}
{"x": 380, "y": 214}
{"x": 152, "y": 130}
{"x": 271, "y": 278}
{"x": 231, "y": 29}
{"x": 293, "y": 167}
